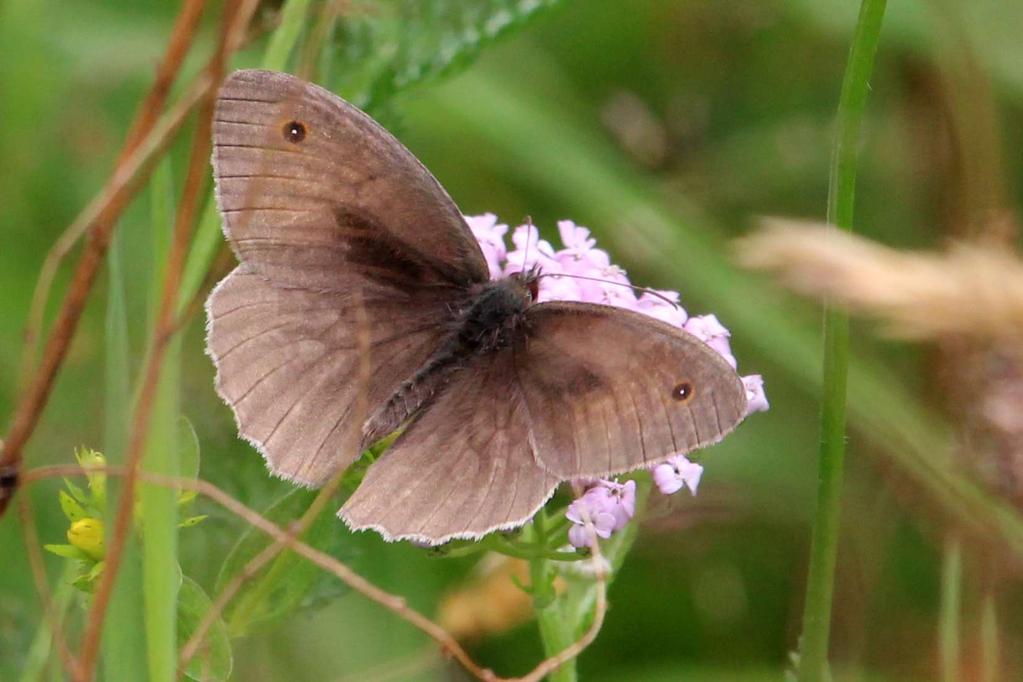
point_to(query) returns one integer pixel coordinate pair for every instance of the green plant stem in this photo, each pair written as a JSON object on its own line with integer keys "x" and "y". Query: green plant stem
{"x": 951, "y": 584}
{"x": 160, "y": 573}
{"x": 123, "y": 643}
{"x": 813, "y": 662}
{"x": 563, "y": 618}
{"x": 555, "y": 632}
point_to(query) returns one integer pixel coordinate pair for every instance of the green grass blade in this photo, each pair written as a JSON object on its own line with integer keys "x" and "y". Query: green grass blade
{"x": 123, "y": 643}
{"x": 813, "y": 659}
{"x": 160, "y": 572}
{"x": 990, "y": 653}
{"x": 42, "y": 655}
{"x": 284, "y": 39}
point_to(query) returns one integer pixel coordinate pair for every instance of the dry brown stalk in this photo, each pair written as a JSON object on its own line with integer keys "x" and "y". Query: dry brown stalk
{"x": 236, "y": 20}
{"x": 99, "y": 228}
{"x": 970, "y": 290}
{"x": 182, "y": 36}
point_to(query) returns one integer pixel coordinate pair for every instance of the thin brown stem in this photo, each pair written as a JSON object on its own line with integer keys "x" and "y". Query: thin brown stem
{"x": 236, "y": 19}
{"x": 99, "y": 228}
{"x": 182, "y": 35}
{"x": 393, "y": 603}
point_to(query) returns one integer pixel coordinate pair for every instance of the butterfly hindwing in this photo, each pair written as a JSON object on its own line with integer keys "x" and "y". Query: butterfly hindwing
{"x": 462, "y": 469}
{"x": 289, "y": 363}
{"x": 609, "y": 390}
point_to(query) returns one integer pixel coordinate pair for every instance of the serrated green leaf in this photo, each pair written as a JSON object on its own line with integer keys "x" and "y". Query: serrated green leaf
{"x": 289, "y": 583}
{"x": 214, "y": 660}
{"x": 403, "y": 43}
{"x": 67, "y": 551}
{"x": 71, "y": 508}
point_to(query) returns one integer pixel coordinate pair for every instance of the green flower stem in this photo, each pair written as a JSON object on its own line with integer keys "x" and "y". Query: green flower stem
{"x": 555, "y": 631}
{"x": 562, "y": 619}
{"x": 813, "y": 663}
{"x": 529, "y": 552}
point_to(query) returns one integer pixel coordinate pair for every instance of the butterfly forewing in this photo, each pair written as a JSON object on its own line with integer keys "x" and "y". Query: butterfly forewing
{"x": 610, "y": 390}
{"x": 314, "y": 193}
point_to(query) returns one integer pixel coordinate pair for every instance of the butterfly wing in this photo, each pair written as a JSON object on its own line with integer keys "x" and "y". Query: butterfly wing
{"x": 462, "y": 469}
{"x": 609, "y": 390}
{"x": 316, "y": 194}
{"x": 340, "y": 231}
{"x": 289, "y": 365}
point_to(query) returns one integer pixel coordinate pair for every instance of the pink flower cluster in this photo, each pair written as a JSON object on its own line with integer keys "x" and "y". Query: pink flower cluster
{"x": 608, "y": 505}
{"x": 595, "y": 279}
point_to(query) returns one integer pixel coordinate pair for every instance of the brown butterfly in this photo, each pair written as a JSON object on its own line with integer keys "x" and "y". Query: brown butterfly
{"x": 340, "y": 231}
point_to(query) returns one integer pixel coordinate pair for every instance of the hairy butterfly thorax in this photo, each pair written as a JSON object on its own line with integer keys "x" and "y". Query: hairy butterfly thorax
{"x": 495, "y": 314}
{"x": 491, "y": 319}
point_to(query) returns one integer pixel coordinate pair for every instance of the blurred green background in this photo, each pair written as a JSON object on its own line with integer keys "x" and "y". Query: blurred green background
{"x": 667, "y": 127}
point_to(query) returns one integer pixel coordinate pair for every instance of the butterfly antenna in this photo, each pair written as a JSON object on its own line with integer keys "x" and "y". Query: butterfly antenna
{"x": 529, "y": 233}
{"x": 645, "y": 290}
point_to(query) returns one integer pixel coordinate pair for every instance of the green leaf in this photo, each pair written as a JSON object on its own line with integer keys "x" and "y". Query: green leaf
{"x": 403, "y": 43}
{"x": 193, "y": 521}
{"x": 86, "y": 581}
{"x": 289, "y": 583}
{"x": 160, "y": 572}
{"x": 76, "y": 491}
{"x": 71, "y": 508}
{"x": 123, "y": 642}
{"x": 67, "y": 551}
{"x": 214, "y": 660}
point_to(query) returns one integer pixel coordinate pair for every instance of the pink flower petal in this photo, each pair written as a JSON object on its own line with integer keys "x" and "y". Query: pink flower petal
{"x": 756, "y": 399}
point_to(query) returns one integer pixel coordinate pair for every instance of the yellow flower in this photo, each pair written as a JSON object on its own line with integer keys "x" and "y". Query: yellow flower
{"x": 87, "y": 535}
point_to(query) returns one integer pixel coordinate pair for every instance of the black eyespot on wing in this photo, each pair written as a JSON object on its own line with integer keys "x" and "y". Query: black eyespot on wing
{"x": 683, "y": 392}
{"x": 294, "y": 131}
